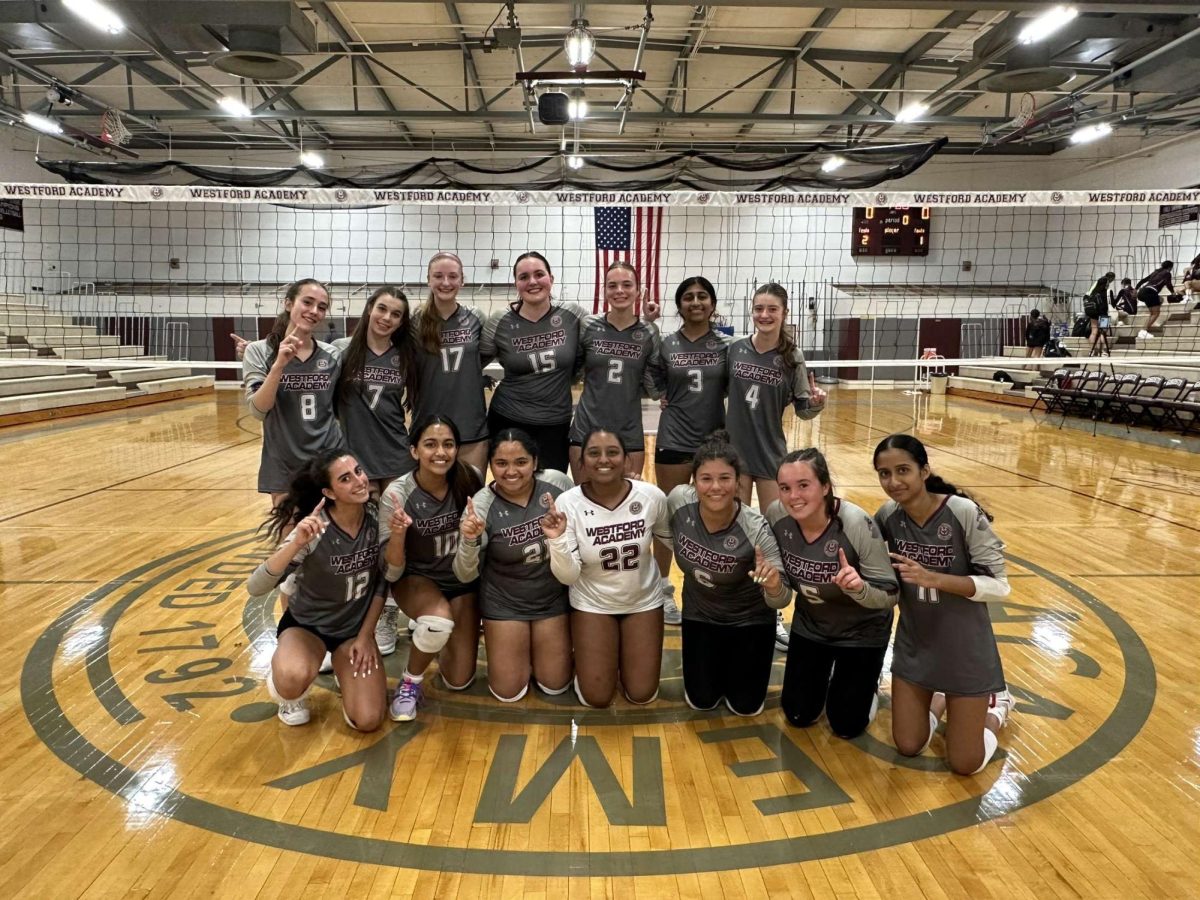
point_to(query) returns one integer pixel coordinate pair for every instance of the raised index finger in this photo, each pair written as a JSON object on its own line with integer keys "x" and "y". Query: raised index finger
{"x": 842, "y": 558}
{"x": 320, "y": 506}
{"x": 548, "y": 500}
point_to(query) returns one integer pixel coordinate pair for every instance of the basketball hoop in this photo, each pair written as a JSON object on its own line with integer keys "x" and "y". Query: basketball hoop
{"x": 1025, "y": 111}
{"x": 112, "y": 129}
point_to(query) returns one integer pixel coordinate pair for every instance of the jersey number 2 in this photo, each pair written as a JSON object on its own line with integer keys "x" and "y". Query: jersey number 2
{"x": 614, "y": 559}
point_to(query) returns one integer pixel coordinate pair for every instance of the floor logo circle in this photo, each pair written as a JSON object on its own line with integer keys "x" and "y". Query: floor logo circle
{"x": 174, "y": 656}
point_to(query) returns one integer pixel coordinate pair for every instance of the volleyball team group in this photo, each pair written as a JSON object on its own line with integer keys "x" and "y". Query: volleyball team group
{"x": 562, "y": 560}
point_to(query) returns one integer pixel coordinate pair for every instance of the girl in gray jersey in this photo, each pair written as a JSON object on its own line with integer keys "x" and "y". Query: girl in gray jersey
{"x": 376, "y": 373}
{"x": 524, "y": 607}
{"x": 536, "y": 341}
{"x": 731, "y": 585}
{"x": 620, "y": 362}
{"x": 950, "y": 564}
{"x": 766, "y": 375}
{"x": 290, "y": 380}
{"x": 449, "y": 364}
{"x": 419, "y": 521}
{"x": 331, "y": 557}
{"x": 836, "y": 561}
{"x": 376, "y": 369}
{"x": 694, "y": 373}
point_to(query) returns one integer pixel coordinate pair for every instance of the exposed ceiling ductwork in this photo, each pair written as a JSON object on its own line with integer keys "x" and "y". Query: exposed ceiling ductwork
{"x": 255, "y": 52}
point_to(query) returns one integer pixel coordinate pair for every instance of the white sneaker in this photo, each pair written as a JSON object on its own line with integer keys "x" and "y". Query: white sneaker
{"x": 1144, "y": 335}
{"x": 671, "y": 613}
{"x": 385, "y": 630}
{"x": 291, "y": 712}
{"x": 1000, "y": 705}
{"x": 326, "y": 664}
{"x": 782, "y": 635}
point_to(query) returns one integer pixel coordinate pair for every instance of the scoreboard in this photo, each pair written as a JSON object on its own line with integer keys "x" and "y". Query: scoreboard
{"x": 890, "y": 231}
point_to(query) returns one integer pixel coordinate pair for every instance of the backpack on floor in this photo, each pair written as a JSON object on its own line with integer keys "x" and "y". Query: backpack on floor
{"x": 1082, "y": 327}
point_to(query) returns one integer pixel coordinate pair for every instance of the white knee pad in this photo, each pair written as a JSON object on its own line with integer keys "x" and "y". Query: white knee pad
{"x": 520, "y": 694}
{"x": 990, "y": 743}
{"x": 432, "y": 633}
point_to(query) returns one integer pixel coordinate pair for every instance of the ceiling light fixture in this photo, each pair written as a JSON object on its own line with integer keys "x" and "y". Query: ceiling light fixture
{"x": 1046, "y": 24}
{"x": 577, "y": 106}
{"x": 911, "y": 113}
{"x": 1089, "y": 133}
{"x": 580, "y": 45}
{"x": 96, "y": 14}
{"x": 234, "y": 107}
{"x": 42, "y": 124}
{"x": 833, "y": 163}
{"x": 311, "y": 160}
{"x": 575, "y": 161}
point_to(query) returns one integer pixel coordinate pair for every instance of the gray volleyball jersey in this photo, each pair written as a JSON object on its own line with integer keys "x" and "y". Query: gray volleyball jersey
{"x": 717, "y": 587}
{"x": 335, "y": 578}
{"x": 760, "y": 389}
{"x": 944, "y": 641}
{"x": 824, "y": 613}
{"x": 373, "y": 415}
{"x": 301, "y": 423}
{"x": 516, "y": 581}
{"x": 695, "y": 373}
{"x": 617, "y": 369}
{"x": 540, "y": 360}
{"x": 432, "y": 537}
{"x": 451, "y": 380}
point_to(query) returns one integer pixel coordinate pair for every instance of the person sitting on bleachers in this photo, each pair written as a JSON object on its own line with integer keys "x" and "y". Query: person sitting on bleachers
{"x": 1126, "y": 302}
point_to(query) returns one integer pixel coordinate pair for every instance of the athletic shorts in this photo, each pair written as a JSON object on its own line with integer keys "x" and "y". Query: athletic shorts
{"x": 727, "y": 662}
{"x": 287, "y": 620}
{"x": 664, "y": 456}
{"x": 629, "y": 447}
{"x": 1150, "y": 296}
{"x": 449, "y": 591}
{"x": 552, "y": 439}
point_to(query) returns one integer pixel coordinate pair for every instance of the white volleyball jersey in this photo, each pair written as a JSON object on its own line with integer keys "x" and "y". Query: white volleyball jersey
{"x": 606, "y": 555}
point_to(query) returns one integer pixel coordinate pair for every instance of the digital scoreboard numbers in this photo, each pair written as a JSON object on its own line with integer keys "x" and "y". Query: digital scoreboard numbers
{"x": 890, "y": 231}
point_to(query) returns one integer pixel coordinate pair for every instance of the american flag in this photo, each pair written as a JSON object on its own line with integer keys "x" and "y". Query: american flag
{"x": 633, "y": 234}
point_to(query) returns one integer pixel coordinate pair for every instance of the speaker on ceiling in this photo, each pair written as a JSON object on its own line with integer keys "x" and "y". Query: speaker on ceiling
{"x": 552, "y": 108}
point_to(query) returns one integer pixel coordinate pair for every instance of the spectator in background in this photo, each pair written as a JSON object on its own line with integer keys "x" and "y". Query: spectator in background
{"x": 1037, "y": 334}
{"x": 1191, "y": 278}
{"x": 1149, "y": 291}
{"x": 1126, "y": 302}
{"x": 1095, "y": 305}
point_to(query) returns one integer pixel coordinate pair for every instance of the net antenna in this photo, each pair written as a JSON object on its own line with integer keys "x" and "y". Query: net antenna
{"x": 112, "y": 128}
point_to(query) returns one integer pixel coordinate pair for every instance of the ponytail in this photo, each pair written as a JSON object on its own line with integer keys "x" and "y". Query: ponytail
{"x": 304, "y": 492}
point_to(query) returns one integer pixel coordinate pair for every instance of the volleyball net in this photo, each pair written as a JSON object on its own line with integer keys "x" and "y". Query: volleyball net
{"x": 878, "y": 280}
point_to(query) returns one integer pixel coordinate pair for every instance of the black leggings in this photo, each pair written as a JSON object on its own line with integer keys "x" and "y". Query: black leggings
{"x": 552, "y": 440}
{"x": 727, "y": 661}
{"x": 840, "y": 680}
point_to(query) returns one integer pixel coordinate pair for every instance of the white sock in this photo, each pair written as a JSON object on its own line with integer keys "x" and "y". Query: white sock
{"x": 990, "y": 743}
{"x": 579, "y": 694}
{"x": 933, "y": 724}
{"x": 415, "y": 679}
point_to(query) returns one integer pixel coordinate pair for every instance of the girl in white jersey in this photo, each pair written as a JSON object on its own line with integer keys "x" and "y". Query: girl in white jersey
{"x": 950, "y": 564}
{"x": 331, "y": 557}
{"x": 599, "y": 535}
{"x": 289, "y": 378}
{"x": 449, "y": 365}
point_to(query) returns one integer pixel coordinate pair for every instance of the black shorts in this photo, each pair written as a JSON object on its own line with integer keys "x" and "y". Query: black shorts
{"x": 1035, "y": 343}
{"x": 287, "y": 620}
{"x": 458, "y": 590}
{"x": 840, "y": 680}
{"x": 729, "y": 662}
{"x": 664, "y": 456}
{"x": 1150, "y": 296}
{"x": 552, "y": 440}
{"x": 629, "y": 447}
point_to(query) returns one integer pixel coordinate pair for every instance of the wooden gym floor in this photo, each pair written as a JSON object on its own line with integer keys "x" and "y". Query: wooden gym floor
{"x": 142, "y": 759}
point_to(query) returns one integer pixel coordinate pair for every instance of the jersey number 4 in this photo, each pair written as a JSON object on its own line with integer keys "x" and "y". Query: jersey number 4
{"x": 614, "y": 559}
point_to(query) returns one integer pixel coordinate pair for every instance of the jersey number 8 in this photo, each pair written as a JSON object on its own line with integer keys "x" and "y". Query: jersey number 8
{"x": 308, "y": 407}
